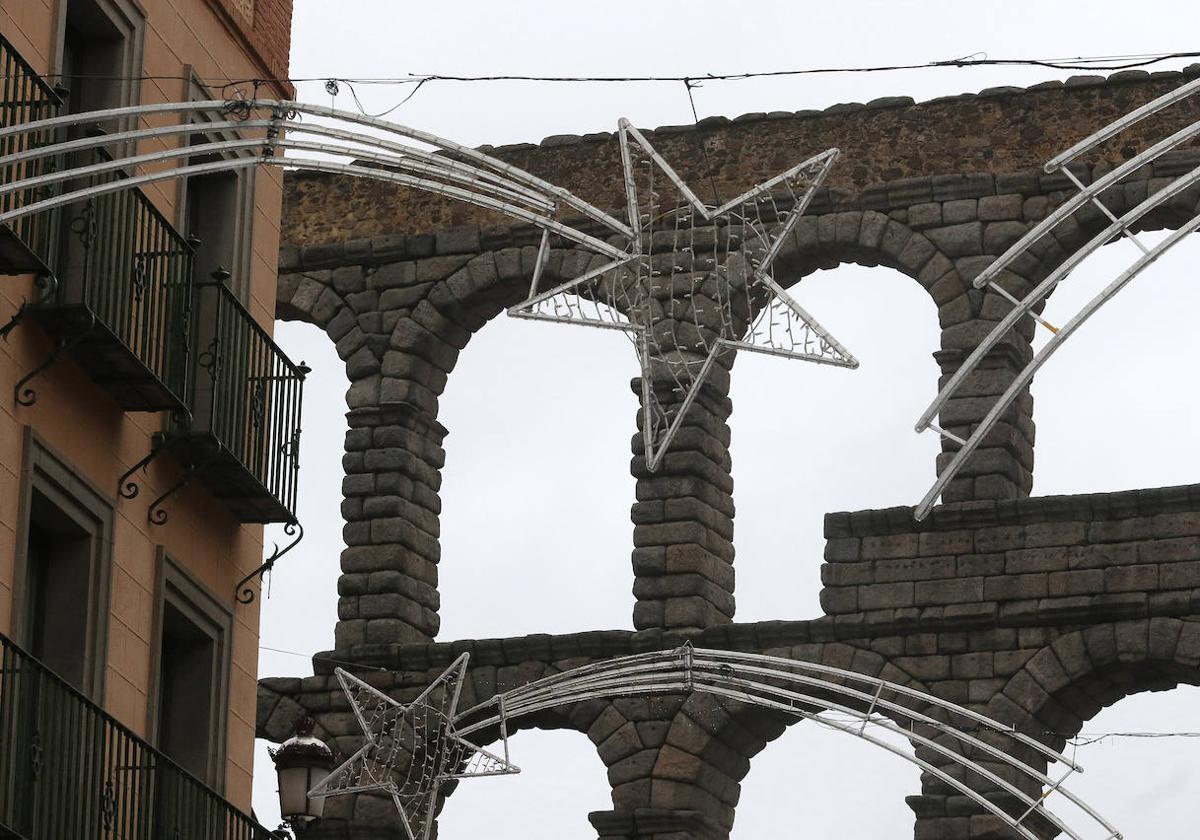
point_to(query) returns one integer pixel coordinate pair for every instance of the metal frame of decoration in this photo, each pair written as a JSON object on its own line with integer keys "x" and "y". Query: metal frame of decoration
{"x": 847, "y": 701}
{"x": 393, "y": 730}
{"x": 1119, "y": 226}
{"x": 451, "y": 170}
{"x": 461, "y": 173}
{"x": 626, "y": 304}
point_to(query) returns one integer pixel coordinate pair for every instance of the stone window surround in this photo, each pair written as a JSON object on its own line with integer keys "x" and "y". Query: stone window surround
{"x": 50, "y": 474}
{"x": 175, "y": 585}
{"x": 195, "y": 90}
{"x": 127, "y": 17}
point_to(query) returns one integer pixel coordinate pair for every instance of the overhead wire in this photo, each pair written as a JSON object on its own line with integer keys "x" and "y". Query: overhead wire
{"x": 1079, "y": 63}
{"x": 318, "y": 658}
{"x": 691, "y": 80}
{"x": 1110, "y": 62}
{"x": 1076, "y": 739}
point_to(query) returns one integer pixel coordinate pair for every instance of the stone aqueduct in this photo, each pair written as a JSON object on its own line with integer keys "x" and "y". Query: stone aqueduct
{"x": 1036, "y": 611}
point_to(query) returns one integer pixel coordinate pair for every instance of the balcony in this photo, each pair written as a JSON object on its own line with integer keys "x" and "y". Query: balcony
{"x": 68, "y": 769}
{"x": 243, "y": 442}
{"x": 124, "y": 289}
{"x": 24, "y": 97}
{"x": 119, "y": 298}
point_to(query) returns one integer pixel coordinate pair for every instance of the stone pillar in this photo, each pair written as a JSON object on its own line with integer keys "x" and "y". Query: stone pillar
{"x": 388, "y": 588}
{"x": 943, "y": 813}
{"x": 1002, "y": 467}
{"x": 683, "y": 517}
{"x": 972, "y": 228}
{"x": 655, "y": 824}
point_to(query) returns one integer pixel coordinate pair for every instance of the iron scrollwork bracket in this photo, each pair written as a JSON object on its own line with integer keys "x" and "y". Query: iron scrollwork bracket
{"x": 28, "y": 396}
{"x": 48, "y": 285}
{"x": 156, "y": 515}
{"x": 127, "y": 488}
{"x": 245, "y": 592}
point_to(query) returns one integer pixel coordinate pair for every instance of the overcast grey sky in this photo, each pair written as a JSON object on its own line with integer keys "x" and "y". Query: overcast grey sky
{"x": 536, "y": 533}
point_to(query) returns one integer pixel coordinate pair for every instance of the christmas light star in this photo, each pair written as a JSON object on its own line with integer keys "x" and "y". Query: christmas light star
{"x": 696, "y": 282}
{"x": 411, "y": 749}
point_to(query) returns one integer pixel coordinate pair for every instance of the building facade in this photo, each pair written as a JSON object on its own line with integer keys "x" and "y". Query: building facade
{"x": 148, "y": 427}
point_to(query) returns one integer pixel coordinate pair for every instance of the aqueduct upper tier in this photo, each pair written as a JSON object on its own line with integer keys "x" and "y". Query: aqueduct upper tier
{"x": 895, "y": 153}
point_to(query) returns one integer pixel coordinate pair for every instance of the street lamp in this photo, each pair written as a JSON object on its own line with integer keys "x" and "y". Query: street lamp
{"x": 300, "y": 763}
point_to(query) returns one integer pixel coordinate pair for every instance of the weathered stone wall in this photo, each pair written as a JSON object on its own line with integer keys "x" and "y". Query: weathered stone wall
{"x": 890, "y": 141}
{"x": 1026, "y": 561}
{"x": 1042, "y": 664}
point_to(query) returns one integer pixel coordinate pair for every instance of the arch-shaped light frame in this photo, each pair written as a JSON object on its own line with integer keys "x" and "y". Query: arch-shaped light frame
{"x": 991, "y": 276}
{"x": 452, "y": 170}
{"x": 811, "y": 690}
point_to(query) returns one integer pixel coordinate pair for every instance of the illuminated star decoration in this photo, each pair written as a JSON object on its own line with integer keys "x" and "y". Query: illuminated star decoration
{"x": 411, "y": 749}
{"x": 697, "y": 283}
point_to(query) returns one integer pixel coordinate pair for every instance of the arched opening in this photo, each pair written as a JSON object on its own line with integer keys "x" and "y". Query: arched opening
{"x": 1115, "y": 405}
{"x": 535, "y": 528}
{"x": 815, "y": 782}
{"x": 561, "y": 780}
{"x": 1111, "y": 683}
{"x": 809, "y": 439}
{"x": 1140, "y": 760}
{"x": 299, "y": 598}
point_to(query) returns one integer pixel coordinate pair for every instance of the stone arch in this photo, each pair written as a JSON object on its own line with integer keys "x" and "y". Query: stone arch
{"x": 871, "y": 238}
{"x": 1074, "y": 232}
{"x": 562, "y": 780}
{"x": 399, "y": 324}
{"x": 436, "y": 321}
{"x": 944, "y": 246}
{"x": 1064, "y": 241}
{"x": 708, "y": 748}
{"x": 846, "y": 655}
{"x": 329, "y": 300}
{"x": 1069, "y": 681}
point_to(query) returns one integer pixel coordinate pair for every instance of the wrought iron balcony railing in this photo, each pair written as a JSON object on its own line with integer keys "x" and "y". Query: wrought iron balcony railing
{"x": 25, "y": 244}
{"x": 124, "y": 290}
{"x": 70, "y": 770}
{"x": 243, "y": 442}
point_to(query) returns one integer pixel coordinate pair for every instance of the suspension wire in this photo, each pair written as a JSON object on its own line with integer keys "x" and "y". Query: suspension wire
{"x": 688, "y": 84}
{"x": 362, "y": 109}
{"x": 1076, "y": 740}
{"x": 1109, "y": 62}
{"x": 356, "y": 665}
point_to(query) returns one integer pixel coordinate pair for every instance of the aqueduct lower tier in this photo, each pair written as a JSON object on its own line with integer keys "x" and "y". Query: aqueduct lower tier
{"x": 1037, "y": 612}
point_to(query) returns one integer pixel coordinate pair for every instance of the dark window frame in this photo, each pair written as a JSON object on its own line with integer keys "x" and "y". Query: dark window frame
{"x": 128, "y": 18}
{"x": 175, "y": 585}
{"x": 242, "y": 260}
{"x": 50, "y": 475}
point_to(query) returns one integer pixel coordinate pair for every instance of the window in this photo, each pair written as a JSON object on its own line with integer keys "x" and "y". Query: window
{"x": 101, "y": 52}
{"x": 191, "y": 675}
{"x": 63, "y": 569}
{"x": 99, "y": 60}
{"x": 217, "y": 208}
